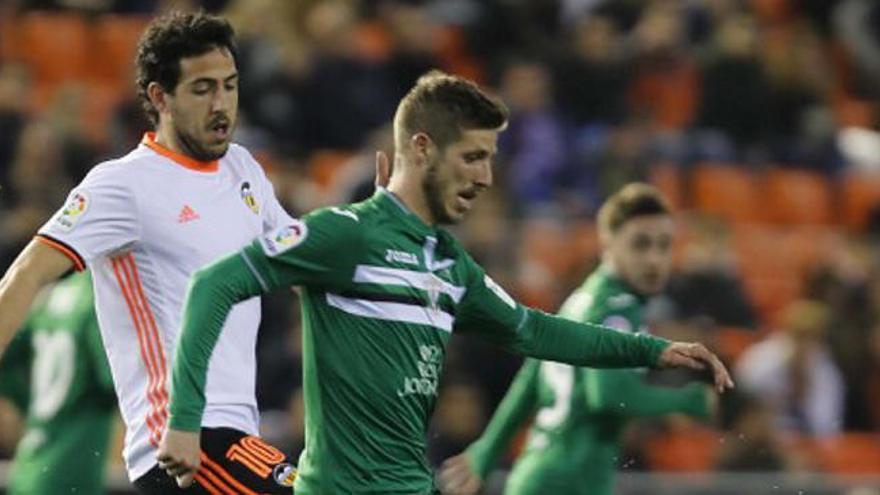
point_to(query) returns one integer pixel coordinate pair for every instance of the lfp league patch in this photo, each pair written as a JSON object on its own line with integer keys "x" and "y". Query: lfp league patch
{"x": 285, "y": 475}
{"x": 284, "y": 238}
{"x": 76, "y": 206}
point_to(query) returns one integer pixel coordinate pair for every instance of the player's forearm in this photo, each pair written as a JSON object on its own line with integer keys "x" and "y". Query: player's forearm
{"x": 213, "y": 292}
{"x": 625, "y": 392}
{"x": 36, "y": 266}
{"x": 554, "y": 338}
{"x": 518, "y": 405}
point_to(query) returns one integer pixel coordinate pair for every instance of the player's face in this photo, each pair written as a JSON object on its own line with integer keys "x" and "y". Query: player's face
{"x": 204, "y": 105}
{"x": 641, "y": 252}
{"x": 458, "y": 174}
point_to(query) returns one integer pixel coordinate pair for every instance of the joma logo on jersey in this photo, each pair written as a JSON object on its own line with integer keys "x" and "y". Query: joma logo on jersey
{"x": 71, "y": 213}
{"x": 392, "y": 256}
{"x": 248, "y": 197}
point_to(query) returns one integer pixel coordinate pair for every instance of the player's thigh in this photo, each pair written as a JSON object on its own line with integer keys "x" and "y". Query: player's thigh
{"x": 234, "y": 462}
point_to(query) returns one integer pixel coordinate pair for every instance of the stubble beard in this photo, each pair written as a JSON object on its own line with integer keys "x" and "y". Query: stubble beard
{"x": 195, "y": 149}
{"x": 433, "y": 190}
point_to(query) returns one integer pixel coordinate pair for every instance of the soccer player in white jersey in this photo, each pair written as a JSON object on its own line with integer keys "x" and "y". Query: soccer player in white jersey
{"x": 143, "y": 223}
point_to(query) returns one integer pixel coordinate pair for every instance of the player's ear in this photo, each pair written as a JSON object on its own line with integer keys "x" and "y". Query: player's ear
{"x": 422, "y": 146}
{"x": 157, "y": 97}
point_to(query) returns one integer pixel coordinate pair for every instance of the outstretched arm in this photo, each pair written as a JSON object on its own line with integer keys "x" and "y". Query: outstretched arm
{"x": 37, "y": 265}
{"x": 488, "y": 310}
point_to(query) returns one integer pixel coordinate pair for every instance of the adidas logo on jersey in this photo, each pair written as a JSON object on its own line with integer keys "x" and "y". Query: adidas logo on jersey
{"x": 187, "y": 214}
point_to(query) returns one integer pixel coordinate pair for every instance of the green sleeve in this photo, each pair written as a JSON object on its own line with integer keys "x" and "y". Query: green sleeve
{"x": 320, "y": 250}
{"x": 212, "y": 293}
{"x": 625, "y": 392}
{"x": 315, "y": 251}
{"x": 554, "y": 338}
{"x": 488, "y": 311}
{"x": 15, "y": 370}
{"x": 519, "y": 404}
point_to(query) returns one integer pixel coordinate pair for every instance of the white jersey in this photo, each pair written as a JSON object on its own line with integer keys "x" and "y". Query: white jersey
{"x": 144, "y": 223}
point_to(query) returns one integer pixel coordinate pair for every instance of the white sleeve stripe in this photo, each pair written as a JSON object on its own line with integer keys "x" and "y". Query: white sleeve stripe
{"x": 253, "y": 269}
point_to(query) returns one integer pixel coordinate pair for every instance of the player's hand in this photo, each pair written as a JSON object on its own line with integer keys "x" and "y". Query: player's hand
{"x": 179, "y": 455}
{"x": 697, "y": 357}
{"x": 383, "y": 170}
{"x": 457, "y": 477}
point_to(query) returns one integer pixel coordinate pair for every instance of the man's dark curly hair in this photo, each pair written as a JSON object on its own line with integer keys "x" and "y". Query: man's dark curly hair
{"x": 170, "y": 38}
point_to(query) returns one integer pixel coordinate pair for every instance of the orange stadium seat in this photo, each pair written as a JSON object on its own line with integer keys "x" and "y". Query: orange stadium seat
{"x": 797, "y": 197}
{"x": 691, "y": 449}
{"x": 115, "y": 43}
{"x": 667, "y": 177}
{"x": 850, "y": 453}
{"x": 56, "y": 46}
{"x": 731, "y": 342}
{"x": 374, "y": 43}
{"x": 859, "y": 194}
{"x": 323, "y": 166}
{"x": 726, "y": 191}
{"x": 771, "y": 265}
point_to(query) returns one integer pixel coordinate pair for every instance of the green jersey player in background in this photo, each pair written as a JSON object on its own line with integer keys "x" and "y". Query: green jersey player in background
{"x": 56, "y": 374}
{"x": 383, "y": 289}
{"x": 580, "y": 413}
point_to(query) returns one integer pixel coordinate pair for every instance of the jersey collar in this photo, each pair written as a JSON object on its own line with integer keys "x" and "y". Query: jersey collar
{"x": 389, "y": 201}
{"x": 607, "y": 276}
{"x": 149, "y": 140}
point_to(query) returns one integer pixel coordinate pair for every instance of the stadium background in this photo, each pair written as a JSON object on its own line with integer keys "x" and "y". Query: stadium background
{"x": 759, "y": 119}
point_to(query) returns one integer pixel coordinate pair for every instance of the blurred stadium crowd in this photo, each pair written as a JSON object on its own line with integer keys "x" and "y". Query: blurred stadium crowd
{"x": 758, "y": 118}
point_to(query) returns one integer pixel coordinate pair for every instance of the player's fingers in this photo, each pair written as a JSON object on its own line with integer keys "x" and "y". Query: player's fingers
{"x": 680, "y": 359}
{"x": 454, "y": 479}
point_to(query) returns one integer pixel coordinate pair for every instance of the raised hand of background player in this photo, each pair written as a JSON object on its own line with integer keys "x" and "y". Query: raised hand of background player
{"x": 179, "y": 455}
{"x": 697, "y": 357}
{"x": 457, "y": 478}
{"x": 383, "y": 170}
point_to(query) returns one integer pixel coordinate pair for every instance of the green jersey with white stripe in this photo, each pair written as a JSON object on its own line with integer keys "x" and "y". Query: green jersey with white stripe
{"x": 56, "y": 372}
{"x": 579, "y": 413}
{"x": 382, "y": 293}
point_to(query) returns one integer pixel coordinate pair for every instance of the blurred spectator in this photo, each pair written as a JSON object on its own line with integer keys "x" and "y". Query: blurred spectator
{"x": 845, "y": 283}
{"x": 734, "y": 86}
{"x": 592, "y": 76}
{"x": 345, "y": 95}
{"x": 793, "y": 373}
{"x": 798, "y": 81}
{"x": 413, "y": 36}
{"x": 707, "y": 286}
{"x": 872, "y": 382}
{"x": 753, "y": 443}
{"x": 534, "y": 144}
{"x": 666, "y": 83}
{"x": 15, "y": 83}
{"x": 460, "y": 417}
{"x": 38, "y": 184}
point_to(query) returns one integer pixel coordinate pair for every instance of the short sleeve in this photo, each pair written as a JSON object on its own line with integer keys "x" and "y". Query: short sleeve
{"x": 320, "y": 250}
{"x": 273, "y": 214}
{"x": 98, "y": 217}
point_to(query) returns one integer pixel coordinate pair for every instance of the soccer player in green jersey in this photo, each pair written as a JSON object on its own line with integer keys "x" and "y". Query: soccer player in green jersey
{"x": 56, "y": 373}
{"x": 382, "y": 290}
{"x": 580, "y": 413}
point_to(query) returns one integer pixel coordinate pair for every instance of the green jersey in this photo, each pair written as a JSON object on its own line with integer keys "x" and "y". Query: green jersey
{"x": 579, "y": 413}
{"x": 55, "y": 371}
{"x": 382, "y": 293}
